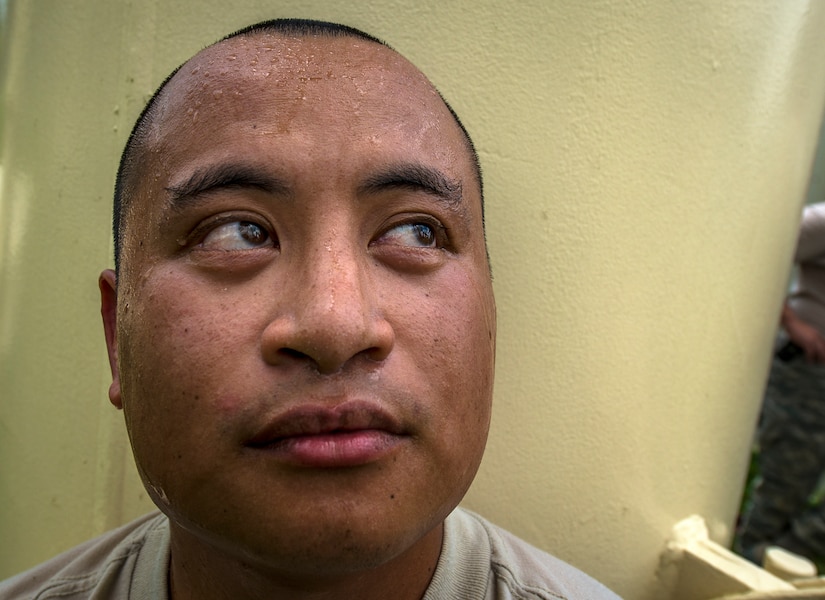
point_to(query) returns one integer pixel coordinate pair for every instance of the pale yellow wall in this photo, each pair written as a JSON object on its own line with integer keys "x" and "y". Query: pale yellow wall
{"x": 645, "y": 165}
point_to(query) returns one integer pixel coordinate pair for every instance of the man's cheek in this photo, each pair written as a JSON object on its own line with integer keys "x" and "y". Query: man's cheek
{"x": 228, "y": 406}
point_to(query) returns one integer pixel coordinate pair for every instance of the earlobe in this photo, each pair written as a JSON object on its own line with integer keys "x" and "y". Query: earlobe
{"x": 108, "y": 310}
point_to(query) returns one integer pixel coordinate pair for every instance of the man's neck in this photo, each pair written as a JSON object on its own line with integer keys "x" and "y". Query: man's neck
{"x": 197, "y": 572}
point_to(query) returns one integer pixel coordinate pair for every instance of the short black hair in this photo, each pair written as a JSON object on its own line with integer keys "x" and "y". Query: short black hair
{"x": 132, "y": 157}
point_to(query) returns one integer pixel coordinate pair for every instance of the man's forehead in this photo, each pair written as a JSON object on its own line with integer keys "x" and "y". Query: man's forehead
{"x": 292, "y": 62}
{"x": 278, "y": 84}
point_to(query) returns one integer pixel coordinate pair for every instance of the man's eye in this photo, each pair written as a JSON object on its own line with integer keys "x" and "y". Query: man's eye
{"x": 418, "y": 235}
{"x": 237, "y": 235}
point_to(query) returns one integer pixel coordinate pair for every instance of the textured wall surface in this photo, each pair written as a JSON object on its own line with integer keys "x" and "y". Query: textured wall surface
{"x": 645, "y": 165}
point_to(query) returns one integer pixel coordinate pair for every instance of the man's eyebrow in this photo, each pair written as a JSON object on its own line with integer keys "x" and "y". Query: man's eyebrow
{"x": 223, "y": 176}
{"x": 415, "y": 177}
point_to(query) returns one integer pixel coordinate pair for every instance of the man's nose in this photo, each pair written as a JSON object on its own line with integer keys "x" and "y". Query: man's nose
{"x": 328, "y": 313}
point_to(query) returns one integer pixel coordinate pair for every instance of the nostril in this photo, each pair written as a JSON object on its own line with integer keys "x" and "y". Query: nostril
{"x": 292, "y": 353}
{"x": 326, "y": 340}
{"x": 322, "y": 362}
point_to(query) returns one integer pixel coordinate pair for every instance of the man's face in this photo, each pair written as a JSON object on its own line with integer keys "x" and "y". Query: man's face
{"x": 305, "y": 324}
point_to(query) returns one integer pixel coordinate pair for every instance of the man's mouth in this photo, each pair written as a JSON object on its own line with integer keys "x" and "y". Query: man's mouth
{"x": 350, "y": 434}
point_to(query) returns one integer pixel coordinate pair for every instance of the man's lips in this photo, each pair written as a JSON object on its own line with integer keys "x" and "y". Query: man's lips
{"x": 345, "y": 435}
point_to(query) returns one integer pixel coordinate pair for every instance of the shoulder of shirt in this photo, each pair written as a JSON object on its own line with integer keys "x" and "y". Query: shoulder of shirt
{"x": 816, "y": 210}
{"x": 528, "y": 572}
{"x": 812, "y": 221}
{"x": 78, "y": 571}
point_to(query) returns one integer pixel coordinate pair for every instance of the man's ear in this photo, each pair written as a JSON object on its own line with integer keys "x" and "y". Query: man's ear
{"x": 108, "y": 309}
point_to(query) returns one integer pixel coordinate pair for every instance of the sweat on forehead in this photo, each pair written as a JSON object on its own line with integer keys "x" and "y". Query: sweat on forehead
{"x": 292, "y": 73}
{"x": 294, "y": 54}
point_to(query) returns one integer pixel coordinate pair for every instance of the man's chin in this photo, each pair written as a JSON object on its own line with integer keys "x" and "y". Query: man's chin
{"x": 322, "y": 550}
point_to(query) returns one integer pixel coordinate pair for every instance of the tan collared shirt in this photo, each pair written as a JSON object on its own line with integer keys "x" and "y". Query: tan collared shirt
{"x": 479, "y": 561}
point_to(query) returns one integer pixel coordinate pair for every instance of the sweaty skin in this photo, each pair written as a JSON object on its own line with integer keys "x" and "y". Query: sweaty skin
{"x": 302, "y": 331}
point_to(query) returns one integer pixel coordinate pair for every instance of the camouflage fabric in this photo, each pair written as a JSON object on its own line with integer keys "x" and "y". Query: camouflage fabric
{"x": 791, "y": 447}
